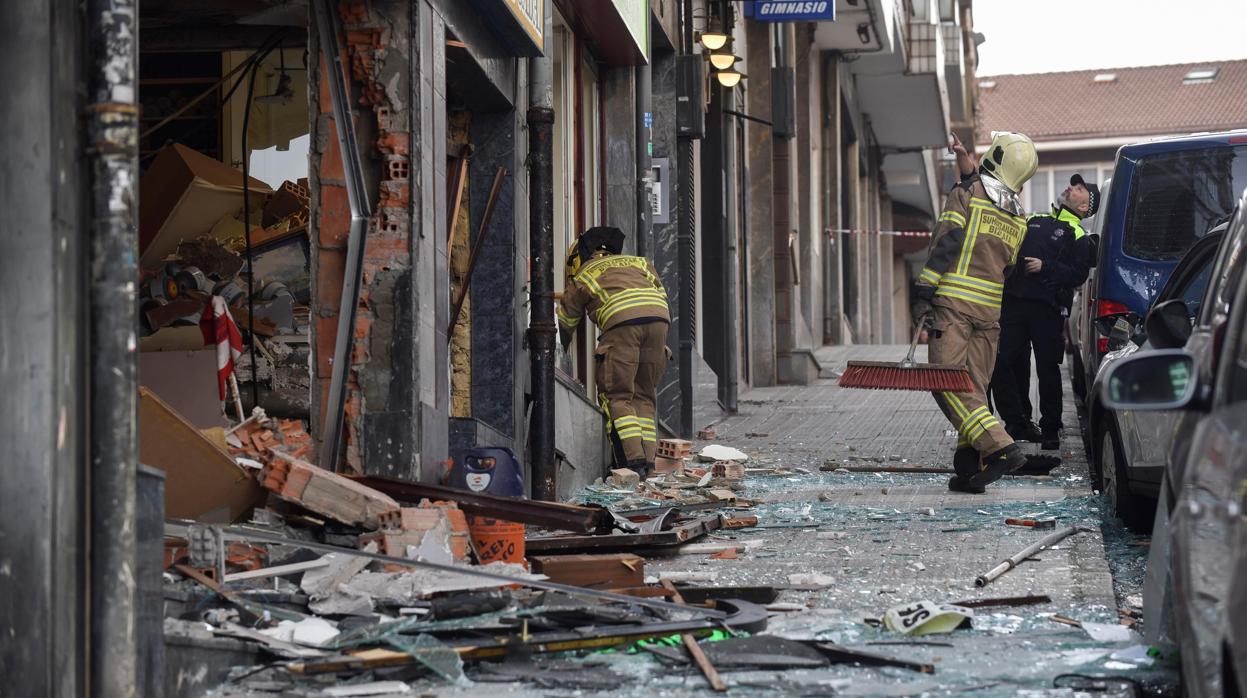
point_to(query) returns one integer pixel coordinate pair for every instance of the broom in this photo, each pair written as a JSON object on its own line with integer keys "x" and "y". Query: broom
{"x": 907, "y": 374}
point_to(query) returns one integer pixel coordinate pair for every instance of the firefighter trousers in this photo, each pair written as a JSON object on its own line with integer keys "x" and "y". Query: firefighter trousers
{"x": 962, "y": 340}
{"x": 631, "y": 359}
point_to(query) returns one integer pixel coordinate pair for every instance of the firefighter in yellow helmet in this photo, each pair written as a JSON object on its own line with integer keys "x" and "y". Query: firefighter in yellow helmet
{"x": 626, "y": 300}
{"x": 973, "y": 249}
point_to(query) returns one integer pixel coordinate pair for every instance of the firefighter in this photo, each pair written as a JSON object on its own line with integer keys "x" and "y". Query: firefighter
{"x": 1056, "y": 257}
{"x": 972, "y": 251}
{"x": 626, "y": 300}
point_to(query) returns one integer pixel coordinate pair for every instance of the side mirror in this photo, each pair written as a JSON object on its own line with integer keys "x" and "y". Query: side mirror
{"x": 1169, "y": 324}
{"x": 1153, "y": 380}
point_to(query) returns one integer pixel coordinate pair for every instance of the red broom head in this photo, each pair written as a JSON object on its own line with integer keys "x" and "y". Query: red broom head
{"x": 878, "y": 376}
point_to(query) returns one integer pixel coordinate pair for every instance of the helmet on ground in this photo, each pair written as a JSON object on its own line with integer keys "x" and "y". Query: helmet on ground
{"x": 1010, "y": 158}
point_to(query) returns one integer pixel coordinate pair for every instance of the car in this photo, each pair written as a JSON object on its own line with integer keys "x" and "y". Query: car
{"x": 1078, "y": 324}
{"x": 1198, "y": 559}
{"x": 1128, "y": 449}
{"x": 1166, "y": 193}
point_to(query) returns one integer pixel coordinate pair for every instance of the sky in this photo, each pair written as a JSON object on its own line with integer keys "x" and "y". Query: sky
{"x": 1044, "y": 36}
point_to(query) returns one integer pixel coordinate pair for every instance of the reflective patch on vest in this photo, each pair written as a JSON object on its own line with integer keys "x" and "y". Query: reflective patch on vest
{"x": 1008, "y": 229}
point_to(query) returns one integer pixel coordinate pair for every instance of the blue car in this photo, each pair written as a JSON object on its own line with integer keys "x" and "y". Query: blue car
{"x": 1165, "y": 195}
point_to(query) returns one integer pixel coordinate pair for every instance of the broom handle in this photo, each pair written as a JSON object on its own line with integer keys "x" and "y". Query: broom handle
{"x": 913, "y": 345}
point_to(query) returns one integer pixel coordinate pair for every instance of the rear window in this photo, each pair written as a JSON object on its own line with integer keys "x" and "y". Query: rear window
{"x": 1176, "y": 197}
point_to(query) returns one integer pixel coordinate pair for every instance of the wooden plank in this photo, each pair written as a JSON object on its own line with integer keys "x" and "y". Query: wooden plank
{"x": 694, "y": 649}
{"x": 592, "y": 571}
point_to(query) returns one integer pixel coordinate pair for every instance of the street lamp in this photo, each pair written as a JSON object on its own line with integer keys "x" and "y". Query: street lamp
{"x": 729, "y": 78}
{"x": 723, "y": 61}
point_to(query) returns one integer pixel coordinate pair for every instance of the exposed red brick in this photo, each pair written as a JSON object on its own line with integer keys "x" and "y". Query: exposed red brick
{"x": 335, "y": 215}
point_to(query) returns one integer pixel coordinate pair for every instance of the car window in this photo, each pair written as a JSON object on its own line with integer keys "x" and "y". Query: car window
{"x": 1192, "y": 293}
{"x": 1233, "y": 384}
{"x": 1176, "y": 197}
{"x": 1228, "y": 271}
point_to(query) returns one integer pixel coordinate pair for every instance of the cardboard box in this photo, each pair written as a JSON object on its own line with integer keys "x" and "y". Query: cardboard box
{"x": 188, "y": 382}
{"x": 202, "y": 481}
{"x": 182, "y": 196}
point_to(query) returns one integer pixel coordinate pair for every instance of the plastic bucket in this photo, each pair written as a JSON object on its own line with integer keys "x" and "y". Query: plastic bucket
{"x": 497, "y": 540}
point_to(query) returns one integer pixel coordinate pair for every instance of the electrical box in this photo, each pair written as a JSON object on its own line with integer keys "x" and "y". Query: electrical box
{"x": 690, "y": 97}
{"x": 783, "y": 102}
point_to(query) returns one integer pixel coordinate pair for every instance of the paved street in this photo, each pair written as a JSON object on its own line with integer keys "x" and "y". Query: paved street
{"x": 888, "y": 539}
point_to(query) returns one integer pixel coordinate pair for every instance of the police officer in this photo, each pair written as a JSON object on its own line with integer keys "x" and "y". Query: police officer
{"x": 1057, "y": 256}
{"x": 972, "y": 251}
{"x": 626, "y": 300}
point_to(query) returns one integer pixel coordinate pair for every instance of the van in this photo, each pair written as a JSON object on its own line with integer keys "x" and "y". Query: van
{"x": 1166, "y": 194}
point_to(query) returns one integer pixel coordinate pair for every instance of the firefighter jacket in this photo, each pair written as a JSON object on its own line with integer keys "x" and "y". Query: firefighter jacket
{"x": 1057, "y": 240}
{"x": 614, "y": 290}
{"x": 973, "y": 250}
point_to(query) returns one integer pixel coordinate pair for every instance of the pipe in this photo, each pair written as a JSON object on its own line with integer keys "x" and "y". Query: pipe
{"x": 1050, "y": 539}
{"x": 112, "y": 120}
{"x": 331, "y": 46}
{"x": 686, "y": 237}
{"x": 541, "y": 252}
{"x": 644, "y": 146}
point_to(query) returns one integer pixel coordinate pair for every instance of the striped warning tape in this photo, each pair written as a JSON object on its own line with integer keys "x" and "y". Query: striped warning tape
{"x": 897, "y": 233}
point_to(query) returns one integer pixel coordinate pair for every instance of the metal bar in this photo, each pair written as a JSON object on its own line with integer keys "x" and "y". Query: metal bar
{"x": 743, "y": 616}
{"x": 742, "y": 115}
{"x": 330, "y": 42}
{"x": 542, "y": 329}
{"x": 625, "y": 541}
{"x": 251, "y": 535}
{"x": 277, "y": 570}
{"x": 494, "y": 191}
{"x": 1005, "y": 601}
{"x": 112, "y": 121}
{"x": 563, "y": 517}
{"x": 1050, "y": 539}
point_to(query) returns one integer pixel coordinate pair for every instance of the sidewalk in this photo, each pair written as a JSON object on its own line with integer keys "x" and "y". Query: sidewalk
{"x": 887, "y": 539}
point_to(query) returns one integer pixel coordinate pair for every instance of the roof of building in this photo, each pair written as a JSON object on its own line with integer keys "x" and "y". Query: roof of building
{"x": 1146, "y": 101}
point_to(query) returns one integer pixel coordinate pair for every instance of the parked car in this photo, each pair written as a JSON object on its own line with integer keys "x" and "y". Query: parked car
{"x": 1201, "y": 522}
{"x": 1166, "y": 193}
{"x": 1129, "y": 448}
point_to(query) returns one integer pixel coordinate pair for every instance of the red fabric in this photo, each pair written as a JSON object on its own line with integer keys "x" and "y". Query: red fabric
{"x": 219, "y": 329}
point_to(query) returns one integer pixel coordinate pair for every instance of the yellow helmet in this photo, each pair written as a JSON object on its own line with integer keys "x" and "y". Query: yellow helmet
{"x": 573, "y": 259}
{"x": 1011, "y": 158}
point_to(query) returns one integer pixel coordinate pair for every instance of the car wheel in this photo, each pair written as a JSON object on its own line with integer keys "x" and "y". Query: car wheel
{"x": 1115, "y": 478}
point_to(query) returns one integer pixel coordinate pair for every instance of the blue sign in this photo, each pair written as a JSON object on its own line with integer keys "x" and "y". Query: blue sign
{"x": 791, "y": 10}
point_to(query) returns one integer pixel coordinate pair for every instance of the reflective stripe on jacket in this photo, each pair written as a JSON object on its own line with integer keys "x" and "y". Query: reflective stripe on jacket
{"x": 612, "y": 290}
{"x": 973, "y": 250}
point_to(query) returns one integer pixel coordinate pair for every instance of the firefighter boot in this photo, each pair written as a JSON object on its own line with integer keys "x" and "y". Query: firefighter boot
{"x": 996, "y": 465}
{"x": 965, "y": 465}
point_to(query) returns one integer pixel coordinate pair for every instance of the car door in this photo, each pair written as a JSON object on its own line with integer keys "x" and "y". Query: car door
{"x": 1148, "y": 436}
{"x": 1208, "y": 524}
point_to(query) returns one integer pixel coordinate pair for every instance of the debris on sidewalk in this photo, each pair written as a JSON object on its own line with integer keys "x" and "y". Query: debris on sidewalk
{"x": 926, "y": 618}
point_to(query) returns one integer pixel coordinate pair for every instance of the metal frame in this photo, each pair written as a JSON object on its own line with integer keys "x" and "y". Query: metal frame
{"x": 332, "y": 47}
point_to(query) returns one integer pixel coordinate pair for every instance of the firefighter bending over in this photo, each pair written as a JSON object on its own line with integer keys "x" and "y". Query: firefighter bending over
{"x": 626, "y": 300}
{"x": 972, "y": 252}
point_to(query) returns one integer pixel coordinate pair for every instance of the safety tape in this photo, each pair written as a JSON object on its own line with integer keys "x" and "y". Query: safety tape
{"x": 895, "y": 233}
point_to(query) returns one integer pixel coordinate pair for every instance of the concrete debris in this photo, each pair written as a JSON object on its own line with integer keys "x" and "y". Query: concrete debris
{"x": 715, "y": 452}
{"x": 811, "y": 579}
{"x": 624, "y": 478}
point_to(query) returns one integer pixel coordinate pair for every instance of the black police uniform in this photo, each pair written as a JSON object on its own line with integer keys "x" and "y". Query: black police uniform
{"x": 1033, "y": 315}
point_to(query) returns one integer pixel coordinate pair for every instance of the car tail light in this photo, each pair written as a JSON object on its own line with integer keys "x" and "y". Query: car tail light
{"x": 1103, "y": 308}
